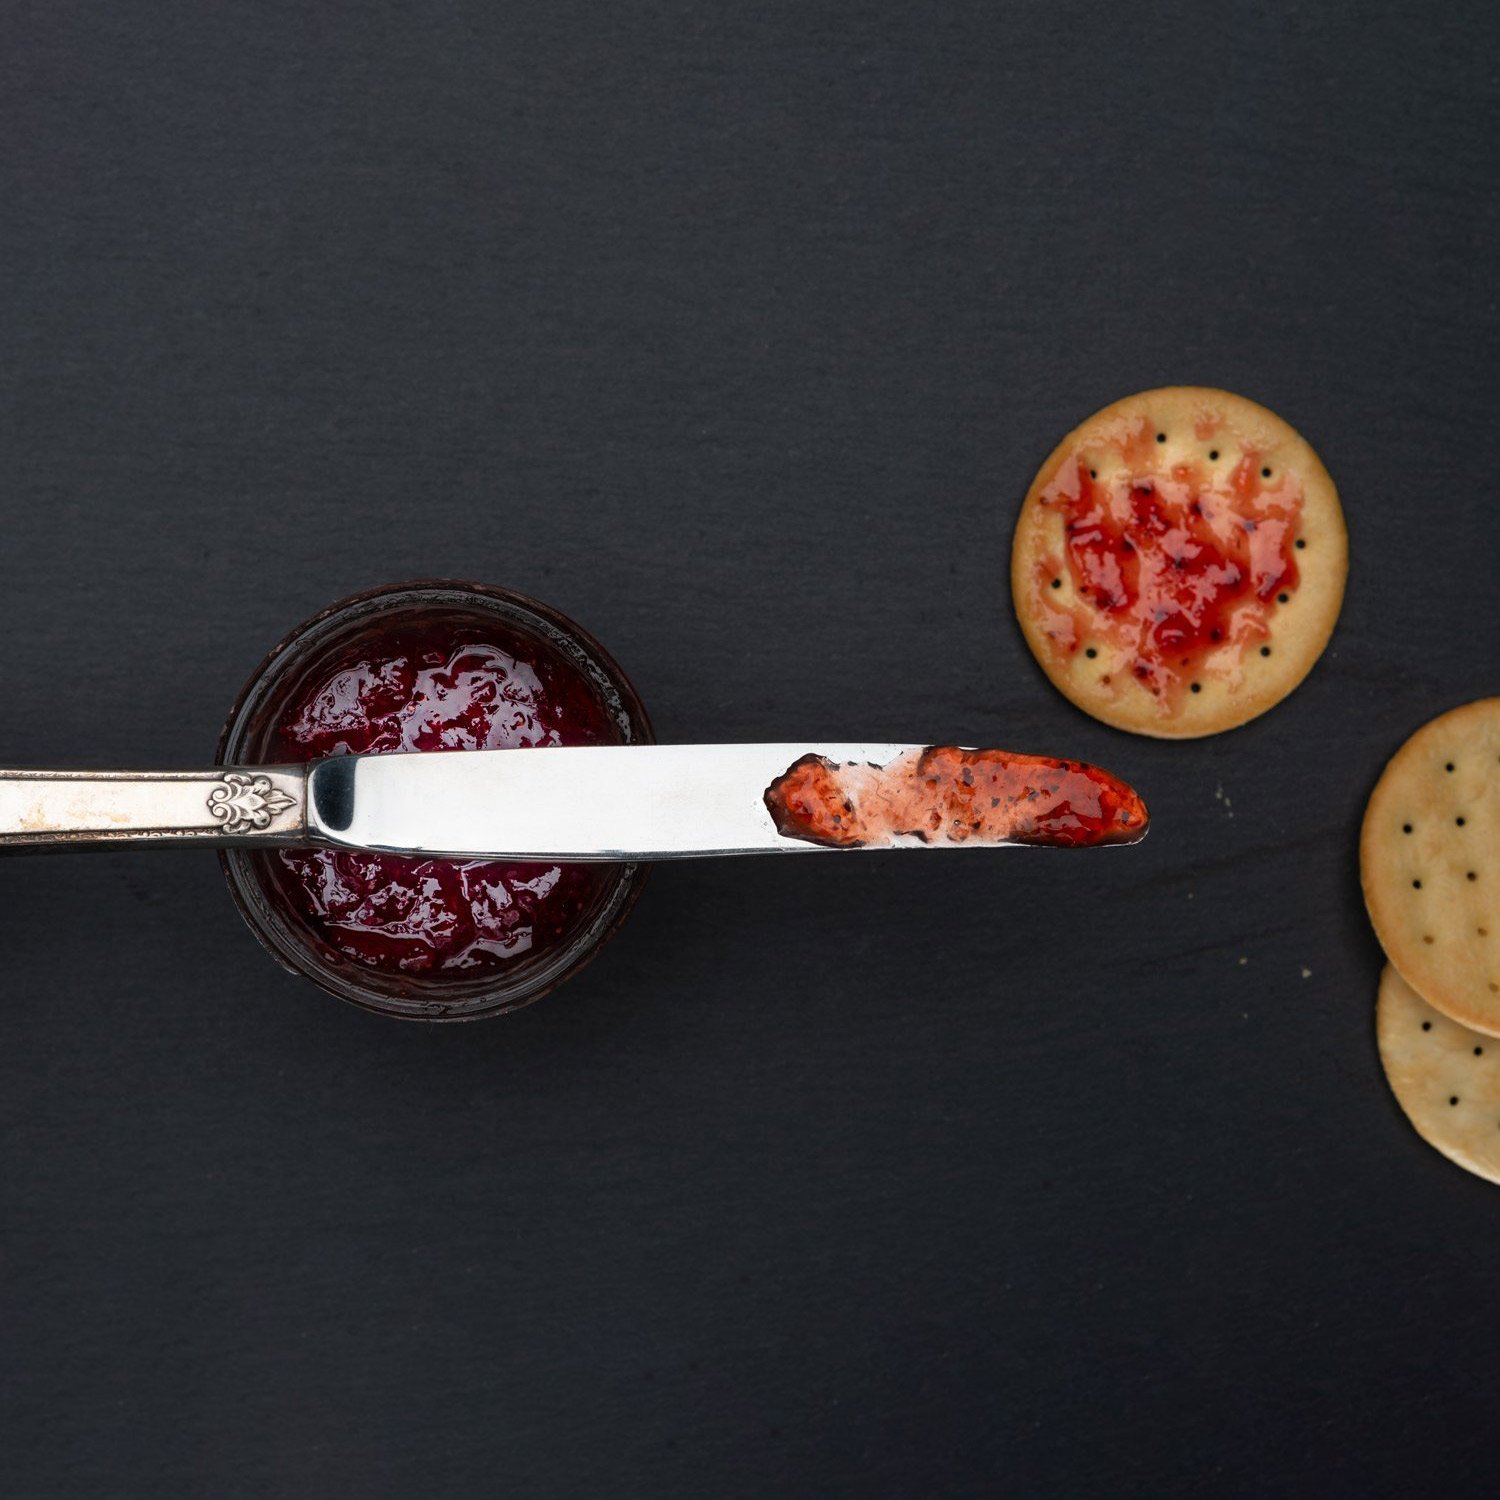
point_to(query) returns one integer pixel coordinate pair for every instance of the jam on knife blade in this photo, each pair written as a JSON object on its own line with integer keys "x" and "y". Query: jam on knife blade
{"x": 944, "y": 795}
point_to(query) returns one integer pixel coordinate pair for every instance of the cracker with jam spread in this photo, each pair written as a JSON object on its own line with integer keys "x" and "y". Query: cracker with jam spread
{"x": 1179, "y": 562}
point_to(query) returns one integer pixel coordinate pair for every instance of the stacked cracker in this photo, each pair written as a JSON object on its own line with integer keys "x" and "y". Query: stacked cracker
{"x": 1429, "y": 859}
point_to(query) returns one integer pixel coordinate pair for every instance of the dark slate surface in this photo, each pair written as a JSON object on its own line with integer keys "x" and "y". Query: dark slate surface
{"x": 737, "y": 332}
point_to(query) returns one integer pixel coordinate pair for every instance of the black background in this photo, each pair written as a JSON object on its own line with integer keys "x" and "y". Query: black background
{"x": 737, "y": 332}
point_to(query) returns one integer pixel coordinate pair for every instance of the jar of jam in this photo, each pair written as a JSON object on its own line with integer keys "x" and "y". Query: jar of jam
{"x": 431, "y": 667}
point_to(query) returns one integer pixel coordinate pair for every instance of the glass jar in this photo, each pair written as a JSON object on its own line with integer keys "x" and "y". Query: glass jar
{"x": 355, "y": 629}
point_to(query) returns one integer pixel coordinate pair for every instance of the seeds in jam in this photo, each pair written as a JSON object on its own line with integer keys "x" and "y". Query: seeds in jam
{"x": 436, "y": 689}
{"x": 944, "y": 795}
{"x": 1176, "y": 568}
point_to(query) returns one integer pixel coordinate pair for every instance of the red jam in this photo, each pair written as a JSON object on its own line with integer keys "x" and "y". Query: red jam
{"x": 1175, "y": 569}
{"x": 441, "y": 687}
{"x": 944, "y": 795}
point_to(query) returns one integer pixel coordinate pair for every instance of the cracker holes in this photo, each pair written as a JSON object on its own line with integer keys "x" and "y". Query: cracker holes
{"x": 1265, "y": 473}
{"x": 1428, "y": 938}
{"x": 1283, "y": 598}
{"x": 1213, "y": 455}
{"x": 1197, "y": 687}
{"x": 1265, "y": 650}
{"x": 1406, "y": 828}
{"x": 1449, "y": 768}
{"x": 1057, "y": 583}
{"x": 1161, "y": 437}
{"x": 1093, "y": 473}
{"x": 1426, "y": 1025}
{"x": 1459, "y": 822}
{"x": 1091, "y": 652}
{"x": 1452, "y": 1100}
{"x": 1472, "y": 875}
{"x": 1301, "y": 543}
{"x": 1416, "y": 885}
{"x": 1479, "y": 1052}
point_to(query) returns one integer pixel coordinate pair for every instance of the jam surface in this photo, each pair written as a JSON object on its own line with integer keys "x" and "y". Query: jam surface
{"x": 1176, "y": 567}
{"x": 447, "y": 686}
{"x": 944, "y": 795}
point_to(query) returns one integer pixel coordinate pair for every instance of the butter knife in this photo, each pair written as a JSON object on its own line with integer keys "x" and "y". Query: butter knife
{"x": 564, "y": 803}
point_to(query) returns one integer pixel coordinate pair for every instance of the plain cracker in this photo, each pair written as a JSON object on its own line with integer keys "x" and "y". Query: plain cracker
{"x": 1433, "y": 892}
{"x": 1195, "y": 421}
{"x": 1445, "y": 1076}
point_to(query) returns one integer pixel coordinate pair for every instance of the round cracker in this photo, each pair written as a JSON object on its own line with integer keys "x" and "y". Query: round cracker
{"x": 1429, "y": 861}
{"x": 1445, "y": 1076}
{"x": 1239, "y": 681}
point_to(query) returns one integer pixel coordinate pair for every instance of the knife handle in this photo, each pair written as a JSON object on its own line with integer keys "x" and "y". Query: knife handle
{"x": 242, "y": 806}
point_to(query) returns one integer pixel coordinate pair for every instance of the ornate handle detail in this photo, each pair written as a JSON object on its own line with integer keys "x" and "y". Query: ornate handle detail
{"x": 242, "y": 802}
{"x": 67, "y": 809}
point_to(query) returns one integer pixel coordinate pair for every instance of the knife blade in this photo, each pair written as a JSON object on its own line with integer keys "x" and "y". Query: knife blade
{"x": 654, "y": 802}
